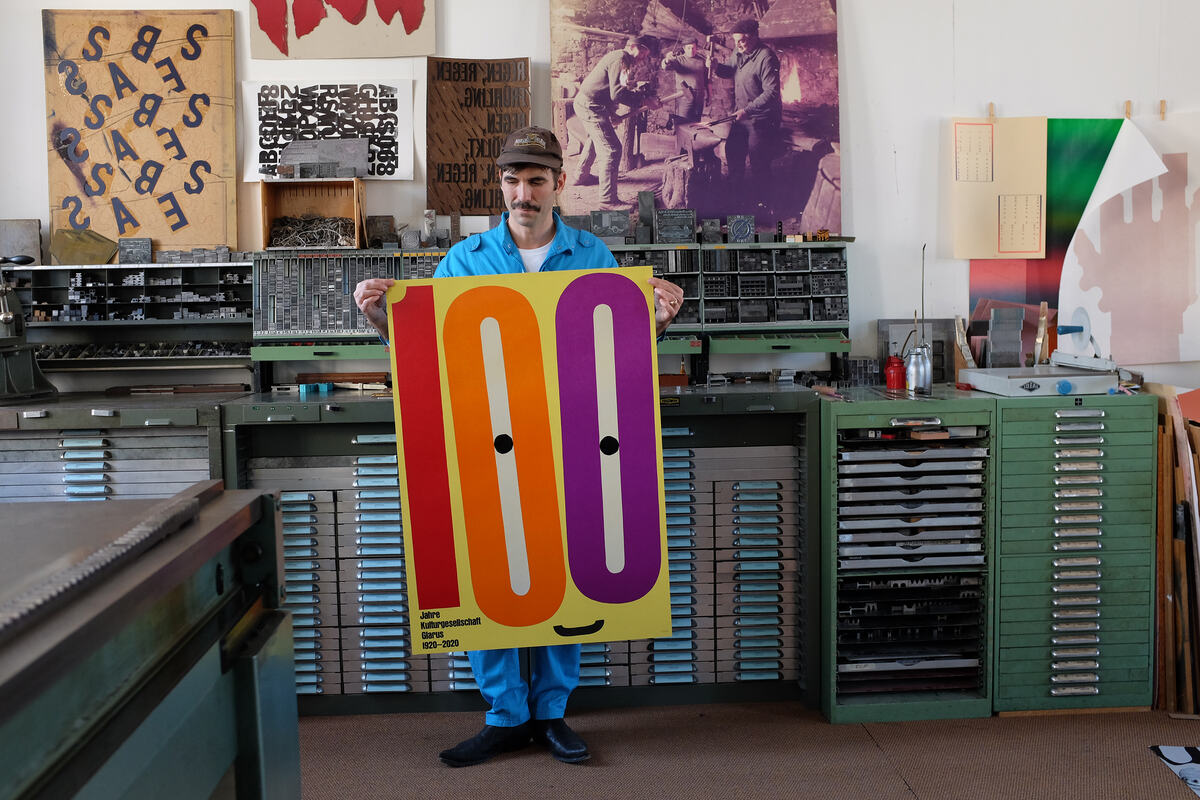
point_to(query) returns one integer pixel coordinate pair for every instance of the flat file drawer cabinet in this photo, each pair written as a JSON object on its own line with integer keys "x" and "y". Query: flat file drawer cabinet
{"x": 736, "y": 465}
{"x": 906, "y": 513}
{"x": 92, "y": 447}
{"x": 1075, "y": 597}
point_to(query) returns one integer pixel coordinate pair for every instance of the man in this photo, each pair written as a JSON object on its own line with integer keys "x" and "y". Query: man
{"x": 691, "y": 78}
{"x": 758, "y": 104}
{"x": 605, "y": 88}
{"x": 529, "y": 238}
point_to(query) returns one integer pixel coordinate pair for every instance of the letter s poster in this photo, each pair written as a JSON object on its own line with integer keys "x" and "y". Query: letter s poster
{"x": 140, "y": 125}
{"x": 528, "y": 438}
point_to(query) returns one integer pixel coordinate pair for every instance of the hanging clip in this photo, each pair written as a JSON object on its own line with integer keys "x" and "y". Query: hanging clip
{"x": 1128, "y": 108}
{"x": 992, "y": 112}
{"x": 1162, "y": 110}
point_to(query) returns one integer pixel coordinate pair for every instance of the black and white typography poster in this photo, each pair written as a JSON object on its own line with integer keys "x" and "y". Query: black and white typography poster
{"x": 277, "y": 114}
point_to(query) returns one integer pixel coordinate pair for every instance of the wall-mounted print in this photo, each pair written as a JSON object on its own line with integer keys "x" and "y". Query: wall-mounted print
{"x": 278, "y": 114}
{"x": 341, "y": 28}
{"x": 140, "y": 125}
{"x": 722, "y": 106}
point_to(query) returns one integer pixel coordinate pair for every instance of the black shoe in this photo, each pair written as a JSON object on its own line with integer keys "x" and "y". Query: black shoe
{"x": 491, "y": 741}
{"x": 586, "y": 179}
{"x": 563, "y": 743}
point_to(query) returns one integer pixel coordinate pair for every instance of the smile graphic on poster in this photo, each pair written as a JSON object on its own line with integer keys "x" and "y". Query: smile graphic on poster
{"x": 528, "y": 435}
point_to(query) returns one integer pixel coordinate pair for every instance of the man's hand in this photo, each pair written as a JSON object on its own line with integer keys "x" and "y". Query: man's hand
{"x": 369, "y": 297}
{"x": 739, "y": 114}
{"x": 668, "y": 299}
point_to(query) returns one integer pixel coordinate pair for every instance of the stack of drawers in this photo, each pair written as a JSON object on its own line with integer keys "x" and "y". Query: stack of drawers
{"x": 687, "y": 655}
{"x": 311, "y": 583}
{"x": 1077, "y": 528}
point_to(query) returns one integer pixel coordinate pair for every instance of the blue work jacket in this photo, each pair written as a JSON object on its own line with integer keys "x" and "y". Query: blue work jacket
{"x": 494, "y": 252}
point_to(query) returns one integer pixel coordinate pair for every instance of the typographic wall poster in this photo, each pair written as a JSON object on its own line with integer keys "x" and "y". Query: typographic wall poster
{"x": 528, "y": 438}
{"x": 681, "y": 150}
{"x": 341, "y": 28}
{"x": 140, "y": 125}
{"x": 279, "y": 113}
{"x": 1184, "y": 761}
{"x": 471, "y": 106}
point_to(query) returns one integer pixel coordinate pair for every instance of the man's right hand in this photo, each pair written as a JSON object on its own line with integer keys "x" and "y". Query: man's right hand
{"x": 369, "y": 297}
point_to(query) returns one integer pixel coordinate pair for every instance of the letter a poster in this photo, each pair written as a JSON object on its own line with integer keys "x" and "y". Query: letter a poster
{"x": 528, "y": 438}
{"x": 140, "y": 125}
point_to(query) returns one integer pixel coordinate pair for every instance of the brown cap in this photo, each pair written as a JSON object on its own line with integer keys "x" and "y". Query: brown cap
{"x": 531, "y": 145}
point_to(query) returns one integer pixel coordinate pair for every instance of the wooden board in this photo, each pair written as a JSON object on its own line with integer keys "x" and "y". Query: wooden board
{"x": 140, "y": 125}
{"x": 472, "y": 105}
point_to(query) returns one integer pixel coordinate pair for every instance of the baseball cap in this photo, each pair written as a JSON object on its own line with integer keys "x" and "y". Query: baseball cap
{"x": 531, "y": 145}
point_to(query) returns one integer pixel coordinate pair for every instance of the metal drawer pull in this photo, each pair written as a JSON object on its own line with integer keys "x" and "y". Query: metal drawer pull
{"x": 281, "y": 418}
{"x": 1063, "y": 413}
{"x": 1090, "y": 492}
{"x": 911, "y": 422}
{"x": 1075, "y": 652}
{"x": 1069, "y": 574}
{"x": 1079, "y": 638}
{"x": 1068, "y": 440}
{"x": 1076, "y": 677}
{"x": 1082, "y": 466}
{"x": 374, "y": 438}
{"x": 1082, "y": 600}
{"x": 1078, "y": 663}
{"x": 1068, "y": 533}
{"x": 1082, "y": 544}
{"x": 1079, "y": 452}
{"x": 1077, "y": 561}
{"x": 40, "y": 413}
{"x": 104, "y": 412}
{"x": 1067, "y": 480}
{"x": 1068, "y": 588}
{"x": 157, "y": 423}
{"x": 1070, "y": 427}
{"x": 1080, "y": 505}
{"x": 83, "y": 443}
{"x": 1069, "y": 691}
{"x": 1065, "y": 627}
{"x": 1076, "y": 613}
{"x": 1069, "y": 519}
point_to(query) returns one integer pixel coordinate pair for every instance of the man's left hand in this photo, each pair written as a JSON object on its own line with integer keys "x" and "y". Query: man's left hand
{"x": 739, "y": 115}
{"x": 668, "y": 299}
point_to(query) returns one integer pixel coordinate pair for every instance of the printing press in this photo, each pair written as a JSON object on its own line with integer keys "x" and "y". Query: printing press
{"x": 143, "y": 652}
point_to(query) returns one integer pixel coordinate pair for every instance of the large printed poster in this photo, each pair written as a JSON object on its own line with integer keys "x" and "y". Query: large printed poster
{"x": 686, "y": 146}
{"x": 341, "y": 28}
{"x": 528, "y": 438}
{"x": 140, "y": 125}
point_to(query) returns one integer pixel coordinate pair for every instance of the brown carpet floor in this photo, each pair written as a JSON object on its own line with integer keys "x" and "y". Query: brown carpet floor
{"x": 755, "y": 750}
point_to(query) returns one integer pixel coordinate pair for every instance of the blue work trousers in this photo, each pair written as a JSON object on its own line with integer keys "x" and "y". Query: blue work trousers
{"x": 553, "y": 673}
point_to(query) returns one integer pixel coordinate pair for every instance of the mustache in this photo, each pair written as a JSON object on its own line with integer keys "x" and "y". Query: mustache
{"x": 525, "y": 205}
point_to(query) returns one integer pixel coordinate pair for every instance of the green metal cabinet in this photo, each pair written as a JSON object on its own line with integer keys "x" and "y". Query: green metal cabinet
{"x": 1075, "y": 590}
{"x": 907, "y": 555}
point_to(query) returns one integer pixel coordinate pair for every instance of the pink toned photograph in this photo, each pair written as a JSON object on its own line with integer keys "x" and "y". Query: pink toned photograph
{"x": 721, "y": 106}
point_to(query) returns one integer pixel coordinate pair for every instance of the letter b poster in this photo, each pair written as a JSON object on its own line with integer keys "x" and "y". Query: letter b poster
{"x": 528, "y": 438}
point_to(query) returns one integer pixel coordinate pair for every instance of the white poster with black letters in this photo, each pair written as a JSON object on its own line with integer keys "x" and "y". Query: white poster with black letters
{"x": 277, "y": 114}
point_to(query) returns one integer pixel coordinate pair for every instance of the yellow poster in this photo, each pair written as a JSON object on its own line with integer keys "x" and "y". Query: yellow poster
{"x": 528, "y": 438}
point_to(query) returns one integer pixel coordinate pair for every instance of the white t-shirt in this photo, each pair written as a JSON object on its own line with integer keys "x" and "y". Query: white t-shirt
{"x": 533, "y": 258}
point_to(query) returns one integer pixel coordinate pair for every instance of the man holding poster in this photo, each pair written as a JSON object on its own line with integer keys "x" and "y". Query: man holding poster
{"x": 530, "y": 238}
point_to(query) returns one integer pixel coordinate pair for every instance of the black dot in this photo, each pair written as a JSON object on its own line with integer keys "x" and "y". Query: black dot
{"x": 608, "y": 445}
{"x": 504, "y": 443}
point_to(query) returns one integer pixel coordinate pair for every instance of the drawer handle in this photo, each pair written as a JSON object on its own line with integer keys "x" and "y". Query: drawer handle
{"x": 1075, "y": 652}
{"x": 1079, "y": 638}
{"x": 1067, "y": 440}
{"x": 1090, "y": 492}
{"x": 1076, "y": 677}
{"x": 1068, "y": 588}
{"x": 1065, "y": 627}
{"x": 281, "y": 418}
{"x": 1067, "y": 480}
{"x": 1072, "y": 691}
{"x": 1078, "y": 663}
{"x": 766, "y": 407}
{"x": 1067, "y": 533}
{"x": 1082, "y": 600}
{"x": 912, "y": 422}
{"x": 40, "y": 413}
{"x": 157, "y": 423}
{"x": 1079, "y": 452}
{"x": 104, "y": 412}
{"x": 1075, "y": 613}
{"x": 1076, "y": 519}
{"x": 1065, "y": 413}
{"x": 1080, "y": 505}
{"x": 1070, "y": 427}
{"x": 1082, "y": 466}
{"x": 1071, "y": 574}
{"x": 1077, "y": 561}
